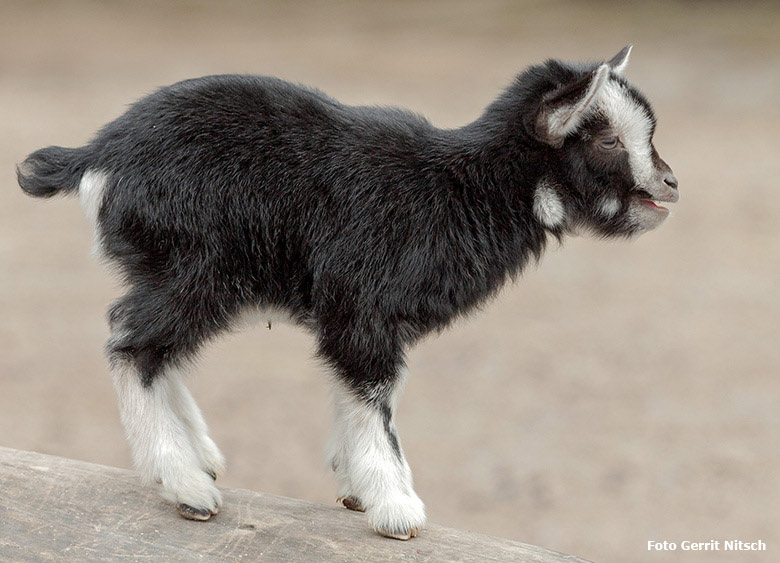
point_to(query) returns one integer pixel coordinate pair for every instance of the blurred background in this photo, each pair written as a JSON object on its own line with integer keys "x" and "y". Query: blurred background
{"x": 619, "y": 393}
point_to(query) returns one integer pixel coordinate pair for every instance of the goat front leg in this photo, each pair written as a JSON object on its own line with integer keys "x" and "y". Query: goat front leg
{"x": 163, "y": 447}
{"x": 366, "y": 455}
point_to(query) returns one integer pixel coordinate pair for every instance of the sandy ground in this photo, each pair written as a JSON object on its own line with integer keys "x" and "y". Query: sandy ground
{"x": 620, "y": 393}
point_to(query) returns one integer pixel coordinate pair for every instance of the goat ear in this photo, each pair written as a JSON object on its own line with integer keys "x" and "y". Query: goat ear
{"x": 619, "y": 62}
{"x": 563, "y": 111}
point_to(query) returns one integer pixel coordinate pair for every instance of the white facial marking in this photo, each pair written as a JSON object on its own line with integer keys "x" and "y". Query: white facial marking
{"x": 91, "y": 191}
{"x": 633, "y": 126}
{"x": 368, "y": 468}
{"x": 166, "y": 434}
{"x": 609, "y": 206}
{"x": 548, "y": 206}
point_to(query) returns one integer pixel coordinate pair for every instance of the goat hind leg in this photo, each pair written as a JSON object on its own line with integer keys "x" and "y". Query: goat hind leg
{"x": 185, "y": 407}
{"x": 162, "y": 449}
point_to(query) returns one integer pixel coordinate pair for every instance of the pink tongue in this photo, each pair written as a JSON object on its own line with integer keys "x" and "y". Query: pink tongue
{"x": 652, "y": 204}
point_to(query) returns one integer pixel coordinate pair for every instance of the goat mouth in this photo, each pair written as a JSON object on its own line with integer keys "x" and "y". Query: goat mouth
{"x": 653, "y": 205}
{"x": 650, "y": 200}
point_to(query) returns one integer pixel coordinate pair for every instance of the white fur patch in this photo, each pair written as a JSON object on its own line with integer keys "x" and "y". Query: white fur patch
{"x": 548, "y": 206}
{"x": 91, "y": 192}
{"x": 633, "y": 125}
{"x": 211, "y": 459}
{"x": 166, "y": 434}
{"x": 609, "y": 206}
{"x": 368, "y": 468}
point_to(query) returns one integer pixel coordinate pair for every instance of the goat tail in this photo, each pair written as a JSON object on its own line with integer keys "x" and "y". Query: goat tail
{"x": 51, "y": 170}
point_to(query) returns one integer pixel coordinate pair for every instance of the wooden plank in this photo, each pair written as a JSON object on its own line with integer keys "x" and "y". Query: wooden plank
{"x": 56, "y": 509}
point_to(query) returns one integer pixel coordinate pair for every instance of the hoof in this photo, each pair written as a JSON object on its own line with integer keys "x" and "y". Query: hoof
{"x": 401, "y": 517}
{"x": 400, "y": 536}
{"x": 351, "y": 503}
{"x": 193, "y": 494}
{"x": 192, "y": 513}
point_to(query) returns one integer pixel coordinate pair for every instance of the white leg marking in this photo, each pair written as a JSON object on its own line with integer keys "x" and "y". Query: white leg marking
{"x": 548, "y": 206}
{"x": 185, "y": 407}
{"x": 93, "y": 184}
{"x": 369, "y": 469}
{"x": 162, "y": 450}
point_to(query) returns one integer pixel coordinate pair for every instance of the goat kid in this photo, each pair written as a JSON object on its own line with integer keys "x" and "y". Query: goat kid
{"x": 366, "y": 225}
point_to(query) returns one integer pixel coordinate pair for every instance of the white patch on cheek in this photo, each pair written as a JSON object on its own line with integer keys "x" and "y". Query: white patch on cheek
{"x": 633, "y": 126}
{"x": 548, "y": 206}
{"x": 609, "y": 206}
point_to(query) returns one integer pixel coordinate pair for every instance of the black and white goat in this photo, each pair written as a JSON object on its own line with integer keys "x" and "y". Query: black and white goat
{"x": 366, "y": 225}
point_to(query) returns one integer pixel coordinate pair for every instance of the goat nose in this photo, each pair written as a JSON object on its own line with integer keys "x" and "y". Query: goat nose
{"x": 670, "y": 181}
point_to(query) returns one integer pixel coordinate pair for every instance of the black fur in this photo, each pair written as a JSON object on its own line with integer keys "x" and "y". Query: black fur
{"x": 392, "y": 437}
{"x": 51, "y": 170}
{"x": 369, "y": 225}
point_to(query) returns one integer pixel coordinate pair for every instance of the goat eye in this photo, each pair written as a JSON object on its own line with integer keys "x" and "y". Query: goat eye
{"x": 609, "y": 143}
